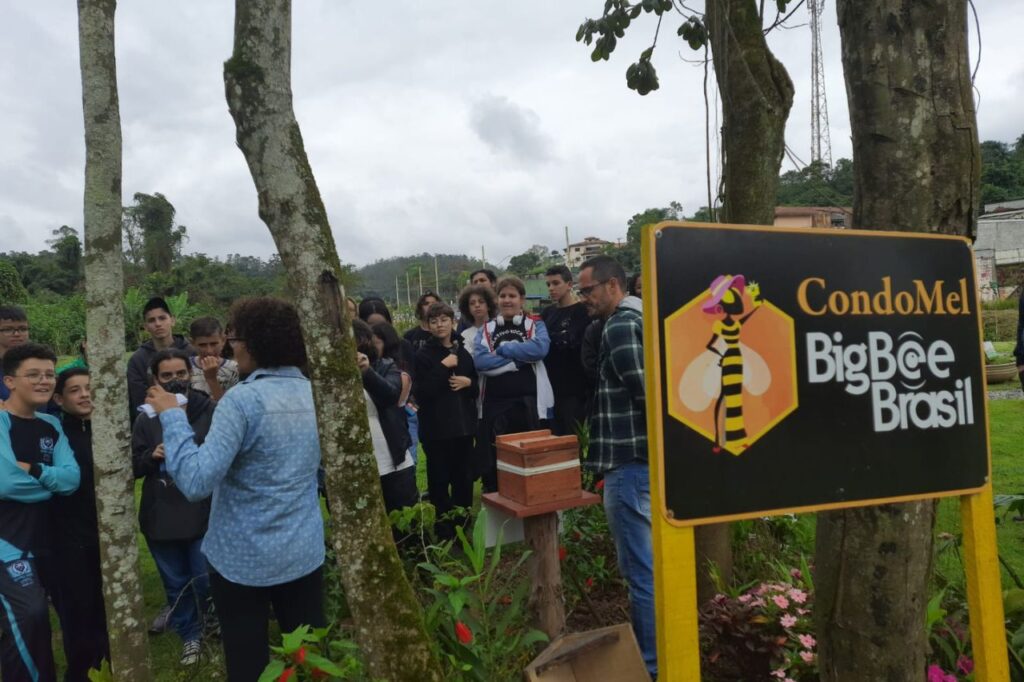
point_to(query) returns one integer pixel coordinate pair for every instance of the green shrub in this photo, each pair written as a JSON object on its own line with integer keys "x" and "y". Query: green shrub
{"x": 1000, "y": 325}
{"x": 58, "y": 322}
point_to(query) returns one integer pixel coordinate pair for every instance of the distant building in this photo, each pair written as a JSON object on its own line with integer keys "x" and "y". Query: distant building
{"x": 999, "y": 250}
{"x": 576, "y": 253}
{"x": 813, "y": 216}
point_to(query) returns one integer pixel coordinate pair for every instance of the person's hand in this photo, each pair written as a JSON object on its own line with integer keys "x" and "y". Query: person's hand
{"x": 160, "y": 400}
{"x": 459, "y": 382}
{"x": 362, "y": 361}
{"x": 451, "y": 361}
{"x": 209, "y": 364}
{"x": 24, "y": 466}
{"x": 158, "y": 452}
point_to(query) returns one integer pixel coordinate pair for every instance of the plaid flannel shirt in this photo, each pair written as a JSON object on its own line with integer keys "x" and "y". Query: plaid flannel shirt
{"x": 618, "y": 432}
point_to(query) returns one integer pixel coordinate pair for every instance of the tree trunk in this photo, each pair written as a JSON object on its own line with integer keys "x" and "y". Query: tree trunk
{"x": 388, "y": 619}
{"x": 104, "y": 325}
{"x": 757, "y": 95}
{"x": 916, "y": 168}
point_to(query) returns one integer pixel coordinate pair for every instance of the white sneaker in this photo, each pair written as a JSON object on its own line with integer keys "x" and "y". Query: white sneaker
{"x": 190, "y": 652}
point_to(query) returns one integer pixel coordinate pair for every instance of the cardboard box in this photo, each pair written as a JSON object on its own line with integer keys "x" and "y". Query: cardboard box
{"x": 606, "y": 655}
{"x": 536, "y": 467}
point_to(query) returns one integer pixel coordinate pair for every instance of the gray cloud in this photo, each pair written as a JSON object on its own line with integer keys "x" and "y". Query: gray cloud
{"x": 437, "y": 126}
{"x": 510, "y": 129}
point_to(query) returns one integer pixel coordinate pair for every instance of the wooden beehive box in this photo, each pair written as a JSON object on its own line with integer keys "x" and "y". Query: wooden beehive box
{"x": 536, "y": 467}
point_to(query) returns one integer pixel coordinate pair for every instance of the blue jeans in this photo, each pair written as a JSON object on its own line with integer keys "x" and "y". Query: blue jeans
{"x": 627, "y": 504}
{"x": 414, "y": 433}
{"x": 183, "y": 572}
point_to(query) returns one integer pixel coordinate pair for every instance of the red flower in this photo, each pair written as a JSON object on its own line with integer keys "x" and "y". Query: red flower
{"x": 300, "y": 656}
{"x": 589, "y": 583}
{"x": 600, "y": 485}
{"x": 286, "y": 675}
{"x": 562, "y": 552}
{"x": 505, "y": 600}
{"x": 463, "y": 632}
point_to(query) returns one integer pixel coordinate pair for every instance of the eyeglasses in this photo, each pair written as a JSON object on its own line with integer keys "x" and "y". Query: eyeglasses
{"x": 11, "y": 331}
{"x": 586, "y": 291}
{"x": 38, "y": 377}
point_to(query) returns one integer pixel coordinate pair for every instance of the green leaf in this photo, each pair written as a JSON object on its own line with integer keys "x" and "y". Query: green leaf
{"x": 272, "y": 671}
{"x": 291, "y": 641}
{"x": 324, "y": 664}
{"x": 635, "y": 12}
{"x": 1013, "y": 602}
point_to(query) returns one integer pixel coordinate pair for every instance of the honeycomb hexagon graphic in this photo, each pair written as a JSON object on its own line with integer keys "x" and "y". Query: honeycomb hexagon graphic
{"x": 731, "y": 364}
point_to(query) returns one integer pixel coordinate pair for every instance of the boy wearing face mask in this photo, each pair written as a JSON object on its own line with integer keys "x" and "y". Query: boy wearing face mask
{"x": 173, "y": 526}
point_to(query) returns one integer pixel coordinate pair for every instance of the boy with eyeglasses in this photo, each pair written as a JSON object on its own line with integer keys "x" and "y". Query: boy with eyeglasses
{"x": 13, "y": 333}
{"x": 36, "y": 463}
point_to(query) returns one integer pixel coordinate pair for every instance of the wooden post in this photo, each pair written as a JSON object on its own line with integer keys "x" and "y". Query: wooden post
{"x": 984, "y": 593}
{"x": 541, "y": 534}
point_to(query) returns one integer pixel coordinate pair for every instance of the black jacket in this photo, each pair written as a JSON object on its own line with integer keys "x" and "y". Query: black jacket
{"x": 164, "y": 513}
{"x": 138, "y": 372}
{"x": 383, "y": 381}
{"x": 74, "y": 515}
{"x": 444, "y": 413}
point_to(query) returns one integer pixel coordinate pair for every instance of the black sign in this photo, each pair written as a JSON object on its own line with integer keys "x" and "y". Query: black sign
{"x": 807, "y": 369}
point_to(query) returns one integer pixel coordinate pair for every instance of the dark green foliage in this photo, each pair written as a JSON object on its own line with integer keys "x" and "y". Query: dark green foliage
{"x": 151, "y": 237}
{"x": 603, "y": 33}
{"x": 817, "y": 185}
{"x": 378, "y": 278}
{"x": 1002, "y": 171}
{"x": 11, "y": 288}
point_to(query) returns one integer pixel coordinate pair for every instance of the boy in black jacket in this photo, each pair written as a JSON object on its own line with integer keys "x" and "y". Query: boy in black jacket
{"x": 445, "y": 385}
{"x": 77, "y": 589}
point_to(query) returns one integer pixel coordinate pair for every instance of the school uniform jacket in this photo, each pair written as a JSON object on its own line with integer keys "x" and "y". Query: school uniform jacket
{"x": 491, "y": 361}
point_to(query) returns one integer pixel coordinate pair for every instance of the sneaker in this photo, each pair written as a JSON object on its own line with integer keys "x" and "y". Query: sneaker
{"x": 159, "y": 623}
{"x": 190, "y": 652}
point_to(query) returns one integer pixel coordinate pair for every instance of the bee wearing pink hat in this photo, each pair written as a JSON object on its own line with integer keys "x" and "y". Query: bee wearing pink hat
{"x": 730, "y": 295}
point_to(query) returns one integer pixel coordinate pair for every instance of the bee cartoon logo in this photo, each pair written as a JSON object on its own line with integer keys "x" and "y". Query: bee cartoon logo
{"x": 731, "y": 358}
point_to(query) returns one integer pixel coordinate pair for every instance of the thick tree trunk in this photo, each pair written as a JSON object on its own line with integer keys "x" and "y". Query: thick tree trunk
{"x": 757, "y": 95}
{"x": 388, "y": 618}
{"x": 916, "y": 168}
{"x": 104, "y": 326}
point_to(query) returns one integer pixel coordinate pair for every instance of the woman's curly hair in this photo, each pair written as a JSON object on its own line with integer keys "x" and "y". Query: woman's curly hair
{"x": 271, "y": 331}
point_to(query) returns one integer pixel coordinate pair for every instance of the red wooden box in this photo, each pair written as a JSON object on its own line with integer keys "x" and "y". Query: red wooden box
{"x": 535, "y": 467}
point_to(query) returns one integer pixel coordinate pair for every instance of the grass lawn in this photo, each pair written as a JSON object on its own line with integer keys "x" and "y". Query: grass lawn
{"x": 1007, "y": 435}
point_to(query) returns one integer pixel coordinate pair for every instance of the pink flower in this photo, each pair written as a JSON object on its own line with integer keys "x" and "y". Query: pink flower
{"x": 807, "y": 656}
{"x": 780, "y": 673}
{"x": 807, "y": 641}
{"x": 787, "y": 621}
{"x": 757, "y": 603}
{"x": 937, "y": 674}
{"x": 744, "y": 598}
{"x": 781, "y": 601}
{"x": 795, "y": 573}
{"x": 799, "y": 596}
{"x": 802, "y": 612}
{"x": 964, "y": 665}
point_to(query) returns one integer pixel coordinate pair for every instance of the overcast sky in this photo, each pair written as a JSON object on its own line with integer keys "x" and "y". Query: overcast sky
{"x": 431, "y": 126}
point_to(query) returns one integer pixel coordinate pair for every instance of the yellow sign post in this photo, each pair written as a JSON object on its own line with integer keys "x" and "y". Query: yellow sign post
{"x": 882, "y": 328}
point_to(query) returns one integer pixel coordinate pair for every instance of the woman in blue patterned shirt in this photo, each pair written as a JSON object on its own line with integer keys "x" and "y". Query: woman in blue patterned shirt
{"x": 265, "y": 543}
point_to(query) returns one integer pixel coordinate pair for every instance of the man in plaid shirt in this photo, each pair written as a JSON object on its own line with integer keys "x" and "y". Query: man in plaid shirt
{"x": 618, "y": 438}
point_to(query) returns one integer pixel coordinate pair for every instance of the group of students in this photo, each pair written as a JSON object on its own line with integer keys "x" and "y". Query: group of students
{"x": 225, "y": 438}
{"x": 456, "y": 381}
